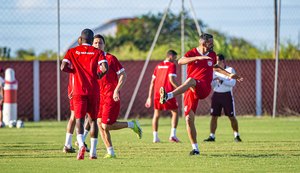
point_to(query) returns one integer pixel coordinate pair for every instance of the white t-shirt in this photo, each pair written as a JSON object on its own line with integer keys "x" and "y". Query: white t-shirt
{"x": 226, "y": 85}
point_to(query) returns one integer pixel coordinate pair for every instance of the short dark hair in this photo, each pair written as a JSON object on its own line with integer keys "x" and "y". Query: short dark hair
{"x": 221, "y": 57}
{"x": 99, "y": 36}
{"x": 206, "y": 36}
{"x": 87, "y": 35}
{"x": 171, "y": 52}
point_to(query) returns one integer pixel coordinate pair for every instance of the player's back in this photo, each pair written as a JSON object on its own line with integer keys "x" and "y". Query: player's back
{"x": 84, "y": 60}
{"x": 161, "y": 73}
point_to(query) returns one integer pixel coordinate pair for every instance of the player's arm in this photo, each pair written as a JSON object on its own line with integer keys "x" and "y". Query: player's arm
{"x": 229, "y": 82}
{"x": 173, "y": 81}
{"x": 103, "y": 66}
{"x": 66, "y": 66}
{"x": 150, "y": 93}
{"x": 121, "y": 81}
{"x": 186, "y": 60}
{"x": 221, "y": 70}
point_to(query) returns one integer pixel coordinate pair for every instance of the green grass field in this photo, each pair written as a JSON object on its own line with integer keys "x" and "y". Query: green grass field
{"x": 269, "y": 145}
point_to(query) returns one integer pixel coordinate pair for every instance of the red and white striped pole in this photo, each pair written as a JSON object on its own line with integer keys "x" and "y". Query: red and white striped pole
{"x": 10, "y": 96}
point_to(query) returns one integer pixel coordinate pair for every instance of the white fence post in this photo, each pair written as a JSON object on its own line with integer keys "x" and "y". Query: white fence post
{"x": 36, "y": 90}
{"x": 258, "y": 88}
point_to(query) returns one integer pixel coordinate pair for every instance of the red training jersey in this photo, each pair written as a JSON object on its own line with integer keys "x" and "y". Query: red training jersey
{"x": 201, "y": 69}
{"x": 161, "y": 74}
{"x": 85, "y": 59}
{"x": 109, "y": 81}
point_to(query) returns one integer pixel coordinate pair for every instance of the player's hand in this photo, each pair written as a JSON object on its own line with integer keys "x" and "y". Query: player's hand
{"x": 148, "y": 103}
{"x": 116, "y": 96}
{"x": 237, "y": 77}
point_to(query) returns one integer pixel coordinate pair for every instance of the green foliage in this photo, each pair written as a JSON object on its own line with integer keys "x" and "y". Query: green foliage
{"x": 269, "y": 145}
{"x": 134, "y": 38}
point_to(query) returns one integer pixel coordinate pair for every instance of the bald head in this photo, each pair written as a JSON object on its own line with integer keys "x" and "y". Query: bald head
{"x": 87, "y": 36}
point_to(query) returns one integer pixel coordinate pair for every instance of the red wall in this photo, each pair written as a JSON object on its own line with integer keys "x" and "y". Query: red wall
{"x": 244, "y": 92}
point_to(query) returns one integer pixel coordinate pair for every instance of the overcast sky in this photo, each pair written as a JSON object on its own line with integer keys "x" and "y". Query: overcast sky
{"x": 33, "y": 23}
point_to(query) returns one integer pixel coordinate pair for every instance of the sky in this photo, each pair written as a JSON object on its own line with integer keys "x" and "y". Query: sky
{"x": 32, "y": 24}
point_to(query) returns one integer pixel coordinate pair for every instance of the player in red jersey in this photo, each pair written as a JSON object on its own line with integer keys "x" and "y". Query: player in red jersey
{"x": 88, "y": 64}
{"x": 110, "y": 86}
{"x": 164, "y": 75}
{"x": 201, "y": 62}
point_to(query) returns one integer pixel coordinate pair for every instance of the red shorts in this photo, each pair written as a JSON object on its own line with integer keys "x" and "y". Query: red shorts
{"x": 109, "y": 109}
{"x": 191, "y": 98}
{"x": 84, "y": 104}
{"x": 71, "y": 104}
{"x": 169, "y": 105}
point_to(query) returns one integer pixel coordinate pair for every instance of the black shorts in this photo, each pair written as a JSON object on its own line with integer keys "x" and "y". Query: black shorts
{"x": 221, "y": 101}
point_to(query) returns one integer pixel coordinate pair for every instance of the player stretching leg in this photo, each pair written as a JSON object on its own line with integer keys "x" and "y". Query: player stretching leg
{"x": 110, "y": 86}
{"x": 201, "y": 62}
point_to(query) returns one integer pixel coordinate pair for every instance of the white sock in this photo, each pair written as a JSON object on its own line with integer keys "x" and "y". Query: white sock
{"x": 155, "y": 136}
{"x": 195, "y": 147}
{"x": 173, "y": 132}
{"x": 85, "y": 133}
{"x": 130, "y": 124}
{"x": 80, "y": 140}
{"x": 68, "y": 142}
{"x": 170, "y": 95}
{"x": 236, "y": 134}
{"x": 110, "y": 150}
{"x": 93, "y": 150}
{"x": 212, "y": 135}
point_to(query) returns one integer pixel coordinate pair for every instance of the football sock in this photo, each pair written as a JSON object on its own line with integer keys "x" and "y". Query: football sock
{"x": 85, "y": 133}
{"x": 155, "y": 136}
{"x": 170, "y": 95}
{"x": 195, "y": 147}
{"x": 212, "y": 135}
{"x": 173, "y": 132}
{"x": 130, "y": 124}
{"x": 68, "y": 142}
{"x": 236, "y": 134}
{"x": 110, "y": 150}
{"x": 80, "y": 140}
{"x": 93, "y": 150}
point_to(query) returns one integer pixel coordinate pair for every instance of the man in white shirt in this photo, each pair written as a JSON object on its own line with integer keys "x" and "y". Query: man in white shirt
{"x": 223, "y": 99}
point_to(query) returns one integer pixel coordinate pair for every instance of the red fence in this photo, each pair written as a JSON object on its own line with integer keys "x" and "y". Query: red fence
{"x": 244, "y": 92}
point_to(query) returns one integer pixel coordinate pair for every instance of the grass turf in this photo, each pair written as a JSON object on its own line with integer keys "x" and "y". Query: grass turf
{"x": 269, "y": 145}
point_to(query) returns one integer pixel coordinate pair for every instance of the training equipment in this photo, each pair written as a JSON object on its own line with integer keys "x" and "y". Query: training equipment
{"x": 2, "y": 125}
{"x": 12, "y": 123}
{"x": 20, "y": 124}
{"x": 10, "y": 96}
